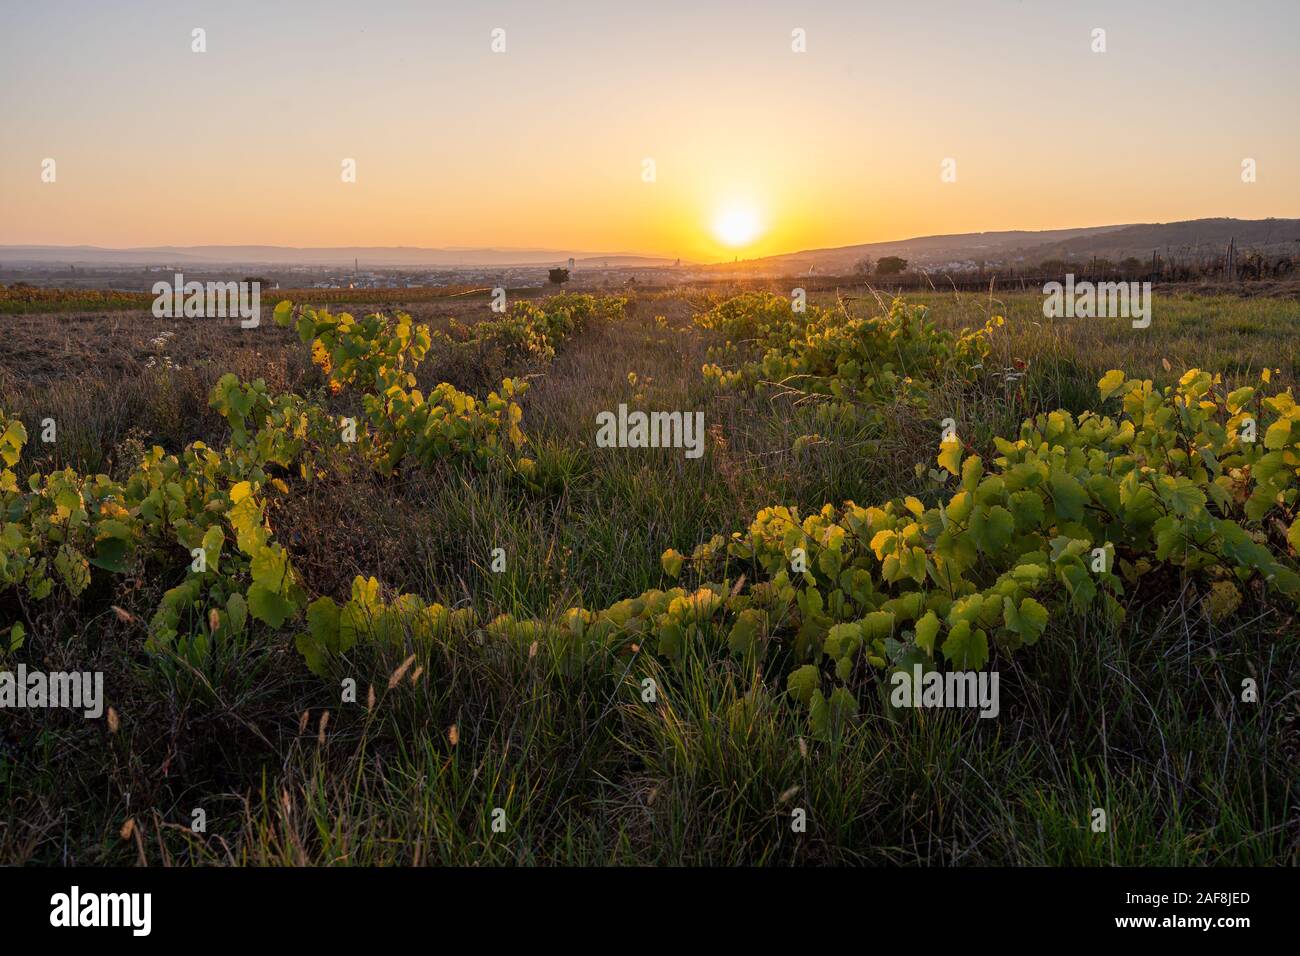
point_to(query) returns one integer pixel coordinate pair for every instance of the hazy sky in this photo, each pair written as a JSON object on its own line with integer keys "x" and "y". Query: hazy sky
{"x": 543, "y": 145}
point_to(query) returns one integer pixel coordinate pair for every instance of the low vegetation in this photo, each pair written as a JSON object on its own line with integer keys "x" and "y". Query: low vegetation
{"x": 362, "y": 616}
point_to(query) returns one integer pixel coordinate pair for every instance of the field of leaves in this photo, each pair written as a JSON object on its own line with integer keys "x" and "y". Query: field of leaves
{"x": 887, "y": 485}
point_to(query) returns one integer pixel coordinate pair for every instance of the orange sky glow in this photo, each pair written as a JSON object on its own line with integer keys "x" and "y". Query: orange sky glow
{"x": 756, "y": 148}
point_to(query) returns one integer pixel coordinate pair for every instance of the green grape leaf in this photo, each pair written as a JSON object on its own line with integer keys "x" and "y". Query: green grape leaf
{"x": 672, "y": 562}
{"x": 926, "y": 629}
{"x": 1028, "y": 621}
{"x": 966, "y": 648}
{"x": 269, "y": 606}
{"x": 992, "y": 528}
{"x": 950, "y": 453}
{"x": 803, "y": 682}
{"x": 1110, "y": 383}
{"x": 1068, "y": 496}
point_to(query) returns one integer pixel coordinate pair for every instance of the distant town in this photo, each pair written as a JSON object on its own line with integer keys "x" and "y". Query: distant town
{"x": 142, "y": 279}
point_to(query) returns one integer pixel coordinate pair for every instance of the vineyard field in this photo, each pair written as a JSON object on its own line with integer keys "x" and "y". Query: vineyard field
{"x": 362, "y": 582}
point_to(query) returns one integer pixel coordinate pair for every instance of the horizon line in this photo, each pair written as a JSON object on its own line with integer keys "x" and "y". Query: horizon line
{"x": 589, "y": 254}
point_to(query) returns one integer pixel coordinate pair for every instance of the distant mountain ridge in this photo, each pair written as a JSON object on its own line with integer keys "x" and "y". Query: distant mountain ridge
{"x": 1186, "y": 237}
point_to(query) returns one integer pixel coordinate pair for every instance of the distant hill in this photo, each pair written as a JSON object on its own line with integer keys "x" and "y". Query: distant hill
{"x": 370, "y": 257}
{"x": 1021, "y": 247}
{"x": 929, "y": 250}
{"x": 1188, "y": 238}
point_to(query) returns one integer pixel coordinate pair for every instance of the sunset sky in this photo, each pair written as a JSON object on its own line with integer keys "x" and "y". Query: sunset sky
{"x": 543, "y": 145}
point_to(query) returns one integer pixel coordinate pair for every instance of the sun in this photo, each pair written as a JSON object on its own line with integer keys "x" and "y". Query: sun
{"x": 737, "y": 224}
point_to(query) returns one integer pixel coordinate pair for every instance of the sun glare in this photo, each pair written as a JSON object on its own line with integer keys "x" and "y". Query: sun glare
{"x": 737, "y": 225}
